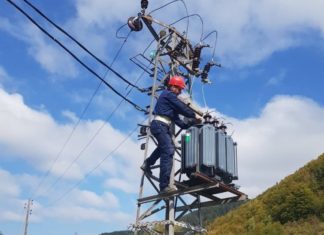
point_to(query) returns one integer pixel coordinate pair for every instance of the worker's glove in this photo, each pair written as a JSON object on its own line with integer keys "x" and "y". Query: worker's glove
{"x": 198, "y": 120}
{"x": 194, "y": 121}
{"x": 190, "y": 122}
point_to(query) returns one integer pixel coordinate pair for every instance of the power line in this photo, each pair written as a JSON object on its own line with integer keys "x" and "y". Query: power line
{"x": 78, "y": 122}
{"x": 167, "y": 4}
{"x": 81, "y": 45}
{"x": 188, "y": 16}
{"x": 93, "y": 169}
{"x": 76, "y": 58}
{"x": 93, "y": 137}
{"x": 215, "y": 43}
{"x": 171, "y": 2}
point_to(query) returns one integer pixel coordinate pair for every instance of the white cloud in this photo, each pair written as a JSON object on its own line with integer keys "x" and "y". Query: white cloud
{"x": 70, "y": 115}
{"x": 46, "y": 52}
{"x": 251, "y": 31}
{"x": 78, "y": 213}
{"x": 82, "y": 206}
{"x": 88, "y": 198}
{"x": 3, "y": 76}
{"x": 125, "y": 186}
{"x": 34, "y": 136}
{"x": 9, "y": 187}
{"x": 95, "y": 11}
{"x": 277, "y": 79}
{"x": 10, "y": 216}
{"x": 287, "y": 134}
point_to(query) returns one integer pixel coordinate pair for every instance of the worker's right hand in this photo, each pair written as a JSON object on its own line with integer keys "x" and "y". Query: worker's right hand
{"x": 198, "y": 120}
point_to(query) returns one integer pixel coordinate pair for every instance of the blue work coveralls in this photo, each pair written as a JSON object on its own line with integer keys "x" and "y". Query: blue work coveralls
{"x": 168, "y": 105}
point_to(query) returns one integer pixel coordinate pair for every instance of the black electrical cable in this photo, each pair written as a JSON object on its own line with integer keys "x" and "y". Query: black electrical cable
{"x": 216, "y": 37}
{"x": 94, "y": 136}
{"x": 93, "y": 169}
{"x": 202, "y": 31}
{"x": 117, "y": 31}
{"x": 76, "y": 58}
{"x": 98, "y": 165}
{"x": 188, "y": 16}
{"x": 79, "y": 44}
{"x": 169, "y": 3}
{"x": 77, "y": 124}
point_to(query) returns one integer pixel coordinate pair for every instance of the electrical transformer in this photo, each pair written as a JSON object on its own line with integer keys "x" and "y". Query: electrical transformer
{"x": 207, "y": 160}
{"x": 220, "y": 148}
{"x": 190, "y": 151}
{"x": 209, "y": 150}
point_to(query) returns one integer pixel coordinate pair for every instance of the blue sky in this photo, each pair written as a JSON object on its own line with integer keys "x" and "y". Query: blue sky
{"x": 270, "y": 88}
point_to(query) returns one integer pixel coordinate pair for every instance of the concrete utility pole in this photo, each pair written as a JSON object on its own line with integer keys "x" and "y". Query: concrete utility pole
{"x": 28, "y": 212}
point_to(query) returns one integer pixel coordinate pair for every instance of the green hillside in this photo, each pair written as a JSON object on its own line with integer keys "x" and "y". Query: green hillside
{"x": 293, "y": 206}
{"x": 208, "y": 214}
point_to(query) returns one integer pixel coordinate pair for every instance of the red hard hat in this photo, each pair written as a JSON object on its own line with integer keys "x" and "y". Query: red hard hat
{"x": 177, "y": 81}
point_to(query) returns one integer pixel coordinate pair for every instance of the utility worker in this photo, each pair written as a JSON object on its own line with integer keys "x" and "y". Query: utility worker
{"x": 166, "y": 112}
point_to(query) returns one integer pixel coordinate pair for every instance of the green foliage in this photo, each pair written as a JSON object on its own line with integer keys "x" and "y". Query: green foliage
{"x": 210, "y": 213}
{"x": 291, "y": 203}
{"x": 294, "y": 206}
{"x": 310, "y": 226}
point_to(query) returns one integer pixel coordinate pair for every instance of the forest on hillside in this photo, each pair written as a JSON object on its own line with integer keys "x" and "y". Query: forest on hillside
{"x": 293, "y": 206}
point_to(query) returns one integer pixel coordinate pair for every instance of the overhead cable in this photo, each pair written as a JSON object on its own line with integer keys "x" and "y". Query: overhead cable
{"x": 93, "y": 169}
{"x": 188, "y": 16}
{"x": 203, "y": 95}
{"x": 80, "y": 45}
{"x": 35, "y": 191}
{"x": 76, "y": 58}
{"x": 93, "y": 137}
{"x": 215, "y": 43}
{"x": 171, "y": 2}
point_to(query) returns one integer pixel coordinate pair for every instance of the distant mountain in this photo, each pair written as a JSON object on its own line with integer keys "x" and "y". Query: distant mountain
{"x": 293, "y": 206}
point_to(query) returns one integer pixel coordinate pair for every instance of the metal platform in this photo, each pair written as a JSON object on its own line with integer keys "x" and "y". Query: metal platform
{"x": 202, "y": 185}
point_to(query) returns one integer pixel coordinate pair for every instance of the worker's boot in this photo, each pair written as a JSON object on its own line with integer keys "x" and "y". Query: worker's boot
{"x": 168, "y": 189}
{"x": 146, "y": 168}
